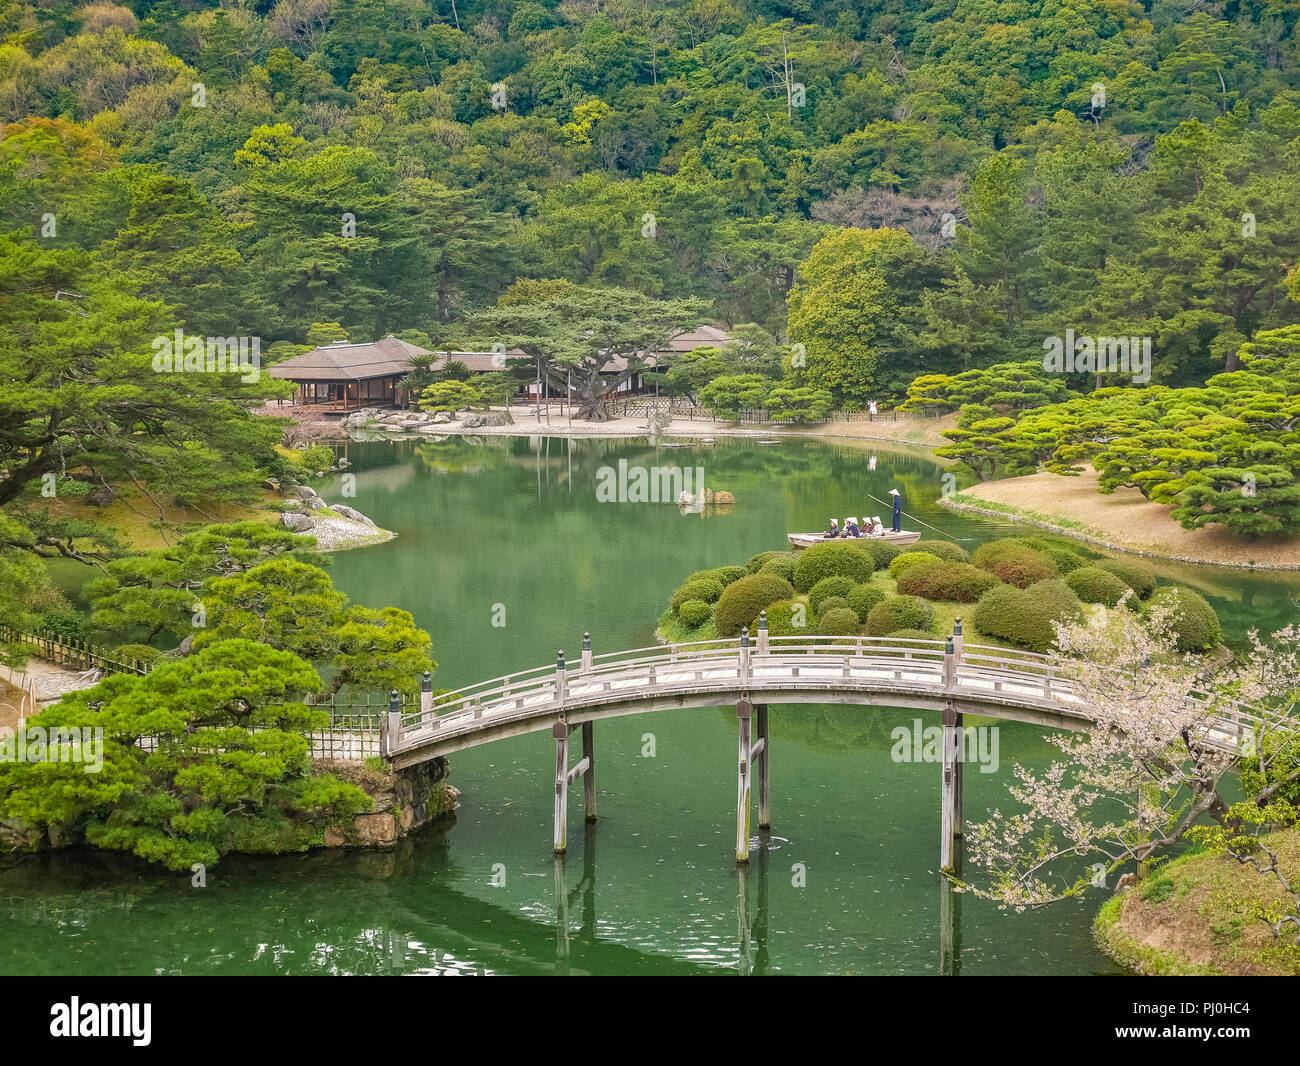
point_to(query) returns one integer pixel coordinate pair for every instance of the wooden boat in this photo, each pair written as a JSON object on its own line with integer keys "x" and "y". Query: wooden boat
{"x": 804, "y": 540}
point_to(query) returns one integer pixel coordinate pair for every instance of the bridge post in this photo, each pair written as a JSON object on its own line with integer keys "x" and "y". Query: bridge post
{"x": 561, "y": 733}
{"x": 586, "y": 653}
{"x": 764, "y": 771}
{"x": 950, "y": 793}
{"x": 744, "y": 709}
{"x": 561, "y": 676}
{"x": 426, "y": 699}
{"x": 588, "y": 775}
{"x": 392, "y": 727}
{"x": 744, "y": 656}
{"x": 762, "y": 632}
{"x": 958, "y": 641}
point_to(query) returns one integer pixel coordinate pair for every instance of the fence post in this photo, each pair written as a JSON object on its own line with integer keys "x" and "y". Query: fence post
{"x": 392, "y": 728}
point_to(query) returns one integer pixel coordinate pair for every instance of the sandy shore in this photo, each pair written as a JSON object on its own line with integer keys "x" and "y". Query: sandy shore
{"x": 1121, "y": 520}
{"x": 923, "y": 431}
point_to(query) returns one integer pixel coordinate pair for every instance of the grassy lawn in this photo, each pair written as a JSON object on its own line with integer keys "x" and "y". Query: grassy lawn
{"x": 134, "y": 518}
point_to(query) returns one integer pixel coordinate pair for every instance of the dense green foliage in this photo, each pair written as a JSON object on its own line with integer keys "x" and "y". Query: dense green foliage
{"x": 1024, "y": 616}
{"x": 1137, "y": 576}
{"x": 230, "y": 770}
{"x": 705, "y": 589}
{"x": 898, "y": 612}
{"x": 837, "y": 622}
{"x": 742, "y": 600}
{"x": 1094, "y": 585}
{"x": 942, "y": 580}
{"x": 694, "y": 612}
{"x": 1014, "y": 562}
{"x": 831, "y": 559}
{"x": 1192, "y": 618}
{"x": 862, "y": 598}
{"x": 828, "y": 586}
{"x": 903, "y": 560}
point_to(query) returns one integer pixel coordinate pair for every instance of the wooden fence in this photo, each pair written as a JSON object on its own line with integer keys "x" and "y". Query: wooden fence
{"x": 356, "y": 719}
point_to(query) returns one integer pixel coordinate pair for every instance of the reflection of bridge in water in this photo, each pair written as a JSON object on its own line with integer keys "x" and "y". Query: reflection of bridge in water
{"x": 946, "y": 676}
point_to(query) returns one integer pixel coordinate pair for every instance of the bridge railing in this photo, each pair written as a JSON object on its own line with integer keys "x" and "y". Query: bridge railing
{"x": 657, "y": 663}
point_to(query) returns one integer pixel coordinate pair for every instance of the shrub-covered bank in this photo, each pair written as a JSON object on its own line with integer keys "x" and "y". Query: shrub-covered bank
{"x": 1009, "y": 592}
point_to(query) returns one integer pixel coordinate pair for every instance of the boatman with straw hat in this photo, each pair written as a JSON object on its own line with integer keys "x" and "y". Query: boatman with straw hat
{"x": 898, "y": 510}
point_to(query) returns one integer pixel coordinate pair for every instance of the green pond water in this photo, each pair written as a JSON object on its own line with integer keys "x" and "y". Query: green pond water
{"x": 846, "y": 883}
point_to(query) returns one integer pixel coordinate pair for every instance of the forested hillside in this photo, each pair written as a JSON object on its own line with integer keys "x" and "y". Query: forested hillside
{"x": 1112, "y": 167}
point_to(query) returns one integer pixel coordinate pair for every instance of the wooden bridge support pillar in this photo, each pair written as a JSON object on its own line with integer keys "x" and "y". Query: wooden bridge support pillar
{"x": 950, "y": 814}
{"x": 588, "y": 776}
{"x": 764, "y": 751}
{"x": 561, "y": 733}
{"x": 744, "y": 713}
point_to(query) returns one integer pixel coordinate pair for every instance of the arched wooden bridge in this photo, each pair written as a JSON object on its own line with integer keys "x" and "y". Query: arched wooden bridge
{"x": 947, "y": 675}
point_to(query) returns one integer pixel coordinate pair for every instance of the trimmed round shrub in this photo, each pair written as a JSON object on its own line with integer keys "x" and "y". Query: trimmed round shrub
{"x": 1137, "y": 576}
{"x": 781, "y": 617}
{"x": 864, "y": 597}
{"x": 1193, "y": 619}
{"x": 941, "y": 580}
{"x": 1067, "y": 559}
{"x": 742, "y": 600}
{"x": 838, "y": 622}
{"x": 1025, "y": 616}
{"x": 1015, "y": 562}
{"x": 1094, "y": 585}
{"x": 828, "y": 586}
{"x": 943, "y": 549}
{"x": 881, "y": 551}
{"x": 831, "y": 603}
{"x": 781, "y": 566}
{"x": 706, "y": 590}
{"x": 756, "y": 562}
{"x": 694, "y": 612}
{"x": 136, "y": 653}
{"x": 723, "y": 575}
{"x": 831, "y": 559}
{"x": 899, "y": 612}
{"x": 909, "y": 558}
{"x": 727, "y": 574}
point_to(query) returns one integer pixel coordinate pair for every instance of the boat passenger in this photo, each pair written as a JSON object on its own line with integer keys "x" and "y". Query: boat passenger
{"x": 877, "y": 527}
{"x": 833, "y": 532}
{"x": 852, "y": 530}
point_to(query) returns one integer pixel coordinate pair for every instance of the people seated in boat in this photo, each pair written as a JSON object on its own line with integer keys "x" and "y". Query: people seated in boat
{"x": 877, "y": 526}
{"x": 852, "y": 529}
{"x": 833, "y": 532}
